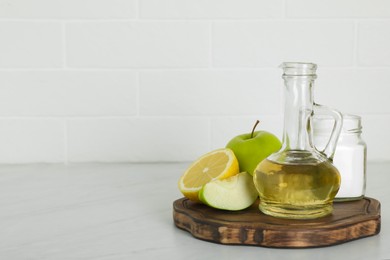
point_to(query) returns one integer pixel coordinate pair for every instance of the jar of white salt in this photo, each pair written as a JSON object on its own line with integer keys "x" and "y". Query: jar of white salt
{"x": 350, "y": 155}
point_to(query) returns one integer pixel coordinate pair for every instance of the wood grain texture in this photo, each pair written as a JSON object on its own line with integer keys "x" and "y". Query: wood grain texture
{"x": 349, "y": 221}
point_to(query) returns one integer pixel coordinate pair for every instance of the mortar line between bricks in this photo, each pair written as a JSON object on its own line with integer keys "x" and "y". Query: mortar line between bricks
{"x": 68, "y": 69}
{"x": 178, "y": 69}
{"x": 203, "y": 20}
{"x": 66, "y": 142}
{"x": 64, "y": 62}
{"x": 284, "y": 9}
{"x": 67, "y": 117}
{"x": 137, "y": 9}
{"x": 356, "y": 44}
{"x": 137, "y": 95}
{"x": 211, "y": 44}
{"x": 151, "y": 117}
{"x": 210, "y": 135}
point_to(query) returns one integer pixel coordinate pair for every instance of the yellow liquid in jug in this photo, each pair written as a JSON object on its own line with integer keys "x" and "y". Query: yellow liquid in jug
{"x": 300, "y": 191}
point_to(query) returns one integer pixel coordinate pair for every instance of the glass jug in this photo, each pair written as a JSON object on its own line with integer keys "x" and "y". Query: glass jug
{"x": 299, "y": 181}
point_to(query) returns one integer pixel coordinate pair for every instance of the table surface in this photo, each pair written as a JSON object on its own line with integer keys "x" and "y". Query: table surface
{"x": 124, "y": 211}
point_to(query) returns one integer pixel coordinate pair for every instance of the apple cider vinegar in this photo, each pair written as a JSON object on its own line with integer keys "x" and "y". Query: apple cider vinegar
{"x": 299, "y": 181}
{"x": 303, "y": 190}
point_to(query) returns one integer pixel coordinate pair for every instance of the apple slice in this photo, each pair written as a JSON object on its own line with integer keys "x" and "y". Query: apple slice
{"x": 234, "y": 193}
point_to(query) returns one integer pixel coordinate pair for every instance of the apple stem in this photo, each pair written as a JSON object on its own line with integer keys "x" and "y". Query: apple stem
{"x": 254, "y": 127}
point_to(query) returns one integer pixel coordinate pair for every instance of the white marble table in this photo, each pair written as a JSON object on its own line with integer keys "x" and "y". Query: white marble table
{"x": 124, "y": 211}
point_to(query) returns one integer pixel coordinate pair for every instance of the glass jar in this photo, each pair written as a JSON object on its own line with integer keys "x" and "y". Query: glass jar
{"x": 350, "y": 155}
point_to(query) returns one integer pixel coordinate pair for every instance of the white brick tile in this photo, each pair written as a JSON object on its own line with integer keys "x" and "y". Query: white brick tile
{"x": 31, "y": 140}
{"x": 249, "y": 44}
{"x": 138, "y": 44}
{"x": 356, "y": 91}
{"x": 376, "y": 129}
{"x": 67, "y": 93}
{"x": 217, "y": 92}
{"x": 223, "y": 129}
{"x": 67, "y": 9}
{"x": 338, "y": 8}
{"x": 373, "y": 43}
{"x": 30, "y": 45}
{"x": 213, "y": 9}
{"x": 147, "y": 139}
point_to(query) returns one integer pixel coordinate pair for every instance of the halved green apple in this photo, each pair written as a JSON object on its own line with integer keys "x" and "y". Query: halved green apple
{"x": 234, "y": 193}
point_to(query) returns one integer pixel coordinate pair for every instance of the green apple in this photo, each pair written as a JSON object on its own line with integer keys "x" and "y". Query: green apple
{"x": 251, "y": 148}
{"x": 234, "y": 193}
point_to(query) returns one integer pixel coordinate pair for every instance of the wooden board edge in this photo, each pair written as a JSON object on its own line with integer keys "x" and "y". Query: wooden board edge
{"x": 274, "y": 238}
{"x": 234, "y": 234}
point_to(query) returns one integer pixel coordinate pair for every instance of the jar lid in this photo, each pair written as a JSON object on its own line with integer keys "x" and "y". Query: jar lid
{"x": 324, "y": 124}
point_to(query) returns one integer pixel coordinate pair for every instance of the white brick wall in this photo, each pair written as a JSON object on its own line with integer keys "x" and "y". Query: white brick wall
{"x": 30, "y": 44}
{"x": 206, "y": 9}
{"x": 209, "y": 93}
{"x": 266, "y": 44}
{"x": 68, "y": 93}
{"x": 168, "y": 80}
{"x": 145, "y": 44}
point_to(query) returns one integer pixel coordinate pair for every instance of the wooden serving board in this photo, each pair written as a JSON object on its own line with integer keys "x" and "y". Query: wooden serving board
{"x": 349, "y": 221}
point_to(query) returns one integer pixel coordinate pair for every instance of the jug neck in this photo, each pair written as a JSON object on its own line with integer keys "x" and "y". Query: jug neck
{"x": 299, "y": 81}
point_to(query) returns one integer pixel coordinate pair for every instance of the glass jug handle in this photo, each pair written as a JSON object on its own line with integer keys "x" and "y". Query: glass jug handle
{"x": 330, "y": 147}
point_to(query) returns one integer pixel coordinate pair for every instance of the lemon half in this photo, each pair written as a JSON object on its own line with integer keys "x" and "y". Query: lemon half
{"x": 216, "y": 165}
